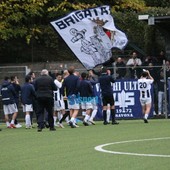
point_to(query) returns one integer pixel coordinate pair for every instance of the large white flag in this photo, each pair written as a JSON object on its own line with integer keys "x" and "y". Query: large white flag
{"x": 85, "y": 32}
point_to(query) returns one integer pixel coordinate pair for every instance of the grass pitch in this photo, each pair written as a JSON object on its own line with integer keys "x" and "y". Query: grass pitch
{"x": 73, "y": 149}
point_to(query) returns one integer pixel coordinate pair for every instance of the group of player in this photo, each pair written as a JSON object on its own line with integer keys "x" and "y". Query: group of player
{"x": 13, "y": 94}
{"x": 63, "y": 102}
{"x": 74, "y": 94}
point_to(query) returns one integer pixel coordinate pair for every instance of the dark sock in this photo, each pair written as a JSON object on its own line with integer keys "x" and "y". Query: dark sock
{"x": 64, "y": 117}
{"x": 113, "y": 115}
{"x": 15, "y": 122}
{"x": 104, "y": 116}
{"x": 31, "y": 117}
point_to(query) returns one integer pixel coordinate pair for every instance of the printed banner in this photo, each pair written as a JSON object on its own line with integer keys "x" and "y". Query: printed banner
{"x": 90, "y": 34}
{"x": 127, "y": 103}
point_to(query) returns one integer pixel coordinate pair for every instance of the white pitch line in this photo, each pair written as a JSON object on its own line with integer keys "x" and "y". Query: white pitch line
{"x": 100, "y": 148}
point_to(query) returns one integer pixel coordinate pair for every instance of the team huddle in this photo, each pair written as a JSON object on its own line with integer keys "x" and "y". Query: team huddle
{"x": 64, "y": 96}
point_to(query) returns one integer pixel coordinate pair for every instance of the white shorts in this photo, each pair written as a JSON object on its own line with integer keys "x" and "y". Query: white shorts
{"x": 94, "y": 106}
{"x": 59, "y": 105}
{"x": 145, "y": 101}
{"x": 73, "y": 102}
{"x": 28, "y": 108}
{"x": 73, "y": 106}
{"x": 10, "y": 109}
{"x": 86, "y": 105}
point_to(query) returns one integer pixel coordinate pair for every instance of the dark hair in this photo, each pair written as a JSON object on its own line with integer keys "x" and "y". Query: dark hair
{"x": 58, "y": 74}
{"x": 12, "y": 78}
{"x": 6, "y": 78}
{"x": 27, "y": 78}
{"x": 83, "y": 75}
{"x": 31, "y": 73}
{"x": 144, "y": 74}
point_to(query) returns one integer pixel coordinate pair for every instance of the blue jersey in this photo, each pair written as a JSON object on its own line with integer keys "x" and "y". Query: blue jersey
{"x": 8, "y": 93}
{"x": 105, "y": 84}
{"x": 85, "y": 88}
{"x": 27, "y": 93}
{"x": 17, "y": 88}
{"x": 71, "y": 85}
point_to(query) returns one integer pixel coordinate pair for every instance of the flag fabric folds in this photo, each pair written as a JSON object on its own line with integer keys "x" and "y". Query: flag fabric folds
{"x": 90, "y": 34}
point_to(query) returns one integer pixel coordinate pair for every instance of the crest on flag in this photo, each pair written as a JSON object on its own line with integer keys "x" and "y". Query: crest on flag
{"x": 84, "y": 31}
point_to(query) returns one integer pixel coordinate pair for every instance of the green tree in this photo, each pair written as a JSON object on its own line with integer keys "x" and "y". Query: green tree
{"x": 158, "y": 3}
{"x": 19, "y": 18}
{"x": 26, "y": 33}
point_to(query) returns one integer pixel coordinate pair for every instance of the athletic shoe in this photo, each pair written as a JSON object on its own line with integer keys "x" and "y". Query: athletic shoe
{"x": 18, "y": 125}
{"x": 39, "y": 130}
{"x": 71, "y": 125}
{"x": 76, "y": 125}
{"x": 145, "y": 120}
{"x": 56, "y": 124}
{"x": 52, "y": 129}
{"x": 0, "y": 129}
{"x": 60, "y": 125}
{"x": 46, "y": 125}
{"x": 105, "y": 123}
{"x": 32, "y": 126}
{"x": 28, "y": 127}
{"x": 115, "y": 123}
{"x": 85, "y": 123}
{"x": 12, "y": 126}
{"x": 154, "y": 113}
{"x": 92, "y": 122}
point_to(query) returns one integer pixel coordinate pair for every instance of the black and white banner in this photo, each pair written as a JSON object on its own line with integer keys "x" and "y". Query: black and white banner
{"x": 85, "y": 32}
{"x": 127, "y": 100}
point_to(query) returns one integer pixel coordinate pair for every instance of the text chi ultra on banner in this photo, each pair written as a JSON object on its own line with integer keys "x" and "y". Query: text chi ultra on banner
{"x": 126, "y": 96}
{"x": 85, "y": 32}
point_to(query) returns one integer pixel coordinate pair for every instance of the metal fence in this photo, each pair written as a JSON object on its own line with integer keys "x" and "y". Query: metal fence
{"x": 21, "y": 71}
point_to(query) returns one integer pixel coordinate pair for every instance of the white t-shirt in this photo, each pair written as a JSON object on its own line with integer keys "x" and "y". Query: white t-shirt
{"x": 134, "y": 61}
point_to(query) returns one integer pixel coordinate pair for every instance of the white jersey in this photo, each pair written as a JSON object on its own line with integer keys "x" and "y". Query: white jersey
{"x": 144, "y": 86}
{"x": 57, "y": 94}
{"x": 58, "y": 97}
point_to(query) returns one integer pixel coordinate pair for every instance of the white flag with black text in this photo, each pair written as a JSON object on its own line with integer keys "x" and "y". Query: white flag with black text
{"x": 86, "y": 34}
